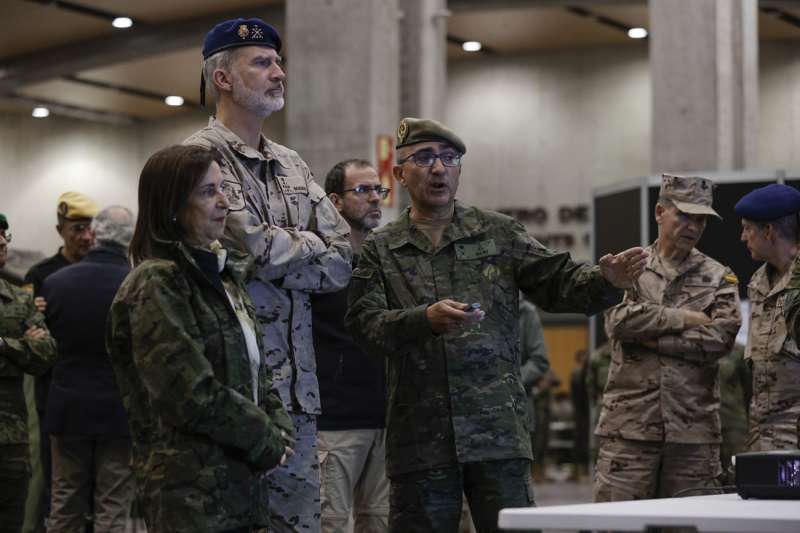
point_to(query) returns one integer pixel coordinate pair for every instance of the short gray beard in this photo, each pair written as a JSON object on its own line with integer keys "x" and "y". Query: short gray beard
{"x": 261, "y": 106}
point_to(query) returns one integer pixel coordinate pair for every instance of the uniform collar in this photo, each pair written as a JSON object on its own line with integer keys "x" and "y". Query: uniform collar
{"x": 760, "y": 281}
{"x": 466, "y": 223}
{"x": 242, "y": 148}
{"x": 692, "y": 261}
{"x": 6, "y": 292}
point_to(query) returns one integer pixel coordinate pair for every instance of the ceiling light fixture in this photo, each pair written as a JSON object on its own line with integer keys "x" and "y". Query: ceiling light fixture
{"x": 40, "y": 112}
{"x": 637, "y": 33}
{"x": 173, "y": 101}
{"x": 122, "y": 22}
{"x": 471, "y": 46}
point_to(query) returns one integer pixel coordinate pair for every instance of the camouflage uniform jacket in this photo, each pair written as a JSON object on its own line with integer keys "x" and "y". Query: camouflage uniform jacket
{"x": 20, "y": 355}
{"x": 670, "y": 394}
{"x": 458, "y": 397}
{"x": 300, "y": 244}
{"x": 200, "y": 444}
{"x": 775, "y": 361}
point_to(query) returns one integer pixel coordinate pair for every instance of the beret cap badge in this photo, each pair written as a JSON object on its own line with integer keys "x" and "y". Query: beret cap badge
{"x": 243, "y": 31}
{"x": 402, "y": 131}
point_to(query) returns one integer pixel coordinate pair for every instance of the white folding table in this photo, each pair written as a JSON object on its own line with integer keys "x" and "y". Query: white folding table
{"x": 720, "y": 513}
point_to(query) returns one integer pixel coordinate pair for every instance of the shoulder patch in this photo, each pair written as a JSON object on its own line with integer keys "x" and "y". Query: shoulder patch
{"x": 731, "y": 278}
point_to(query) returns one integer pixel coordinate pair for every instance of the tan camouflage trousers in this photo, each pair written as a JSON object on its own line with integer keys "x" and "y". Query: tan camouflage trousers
{"x": 638, "y": 470}
{"x": 779, "y": 435}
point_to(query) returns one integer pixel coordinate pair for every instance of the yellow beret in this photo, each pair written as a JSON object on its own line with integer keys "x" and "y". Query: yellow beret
{"x": 75, "y": 205}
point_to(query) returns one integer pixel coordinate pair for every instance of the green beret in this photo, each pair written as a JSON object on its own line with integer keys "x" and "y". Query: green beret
{"x": 419, "y": 130}
{"x": 3, "y": 222}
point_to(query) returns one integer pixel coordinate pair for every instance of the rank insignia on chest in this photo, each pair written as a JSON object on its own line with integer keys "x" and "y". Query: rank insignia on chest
{"x": 476, "y": 250}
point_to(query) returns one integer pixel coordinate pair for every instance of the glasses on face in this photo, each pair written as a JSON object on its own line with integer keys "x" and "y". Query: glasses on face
{"x": 79, "y": 228}
{"x": 426, "y": 158}
{"x": 234, "y": 193}
{"x": 382, "y": 191}
{"x": 6, "y": 235}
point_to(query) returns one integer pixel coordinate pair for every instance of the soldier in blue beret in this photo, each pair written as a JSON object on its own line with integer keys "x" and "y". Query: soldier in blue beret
{"x": 772, "y": 234}
{"x": 296, "y": 235}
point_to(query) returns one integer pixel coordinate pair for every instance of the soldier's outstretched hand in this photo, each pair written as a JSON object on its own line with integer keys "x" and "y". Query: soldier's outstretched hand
{"x": 622, "y": 269}
{"x": 447, "y": 316}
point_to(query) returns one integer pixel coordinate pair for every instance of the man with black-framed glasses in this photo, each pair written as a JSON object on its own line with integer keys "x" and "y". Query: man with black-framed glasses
{"x": 437, "y": 293}
{"x": 352, "y": 387}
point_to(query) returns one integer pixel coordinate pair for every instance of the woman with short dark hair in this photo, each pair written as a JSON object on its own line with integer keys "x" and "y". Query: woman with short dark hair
{"x": 183, "y": 343}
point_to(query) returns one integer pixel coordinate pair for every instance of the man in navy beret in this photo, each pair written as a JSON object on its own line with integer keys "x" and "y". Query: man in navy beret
{"x": 297, "y": 237}
{"x": 770, "y": 230}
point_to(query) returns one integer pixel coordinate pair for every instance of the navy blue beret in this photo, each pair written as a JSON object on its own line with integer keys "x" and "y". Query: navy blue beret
{"x": 769, "y": 203}
{"x": 240, "y": 32}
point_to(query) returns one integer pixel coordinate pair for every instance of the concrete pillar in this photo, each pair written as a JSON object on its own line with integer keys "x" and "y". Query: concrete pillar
{"x": 342, "y": 78}
{"x": 423, "y": 63}
{"x": 704, "y": 61}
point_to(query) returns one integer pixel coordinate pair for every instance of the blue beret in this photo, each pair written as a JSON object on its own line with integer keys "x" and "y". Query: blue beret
{"x": 769, "y": 203}
{"x": 240, "y": 32}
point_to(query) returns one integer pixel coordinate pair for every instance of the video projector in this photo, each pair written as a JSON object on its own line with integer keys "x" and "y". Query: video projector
{"x": 771, "y": 475}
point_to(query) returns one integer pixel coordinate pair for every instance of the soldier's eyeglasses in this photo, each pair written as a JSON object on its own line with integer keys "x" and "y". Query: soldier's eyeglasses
{"x": 6, "y": 235}
{"x": 380, "y": 190}
{"x": 425, "y": 158}
{"x": 234, "y": 193}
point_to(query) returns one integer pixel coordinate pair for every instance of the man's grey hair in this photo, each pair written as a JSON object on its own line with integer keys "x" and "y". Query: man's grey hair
{"x": 114, "y": 226}
{"x": 221, "y": 60}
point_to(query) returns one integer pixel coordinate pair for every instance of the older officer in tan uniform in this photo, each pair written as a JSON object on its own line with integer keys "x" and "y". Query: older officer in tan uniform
{"x": 299, "y": 241}
{"x": 659, "y": 425}
{"x": 770, "y": 230}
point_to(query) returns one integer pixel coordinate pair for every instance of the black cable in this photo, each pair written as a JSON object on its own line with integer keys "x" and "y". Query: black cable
{"x": 721, "y": 490}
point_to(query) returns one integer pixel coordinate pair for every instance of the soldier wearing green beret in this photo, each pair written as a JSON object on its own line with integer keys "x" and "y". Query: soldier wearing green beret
{"x": 25, "y": 347}
{"x": 437, "y": 293}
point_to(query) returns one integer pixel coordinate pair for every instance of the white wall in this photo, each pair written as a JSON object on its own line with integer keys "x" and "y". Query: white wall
{"x": 42, "y": 158}
{"x": 779, "y": 100}
{"x": 545, "y": 128}
{"x": 542, "y": 129}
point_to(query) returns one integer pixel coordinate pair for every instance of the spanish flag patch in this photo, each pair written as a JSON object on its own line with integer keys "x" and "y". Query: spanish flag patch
{"x": 730, "y": 278}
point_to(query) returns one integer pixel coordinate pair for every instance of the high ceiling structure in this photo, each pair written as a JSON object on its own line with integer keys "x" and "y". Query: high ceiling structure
{"x": 68, "y": 56}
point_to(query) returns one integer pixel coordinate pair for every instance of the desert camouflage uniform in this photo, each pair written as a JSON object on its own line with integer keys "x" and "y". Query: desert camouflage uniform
{"x": 664, "y": 403}
{"x": 200, "y": 444}
{"x": 300, "y": 244}
{"x": 456, "y": 401}
{"x": 775, "y": 358}
{"x": 19, "y": 356}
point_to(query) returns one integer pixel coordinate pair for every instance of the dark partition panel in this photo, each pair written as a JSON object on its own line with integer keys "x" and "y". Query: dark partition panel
{"x": 617, "y": 226}
{"x": 617, "y": 222}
